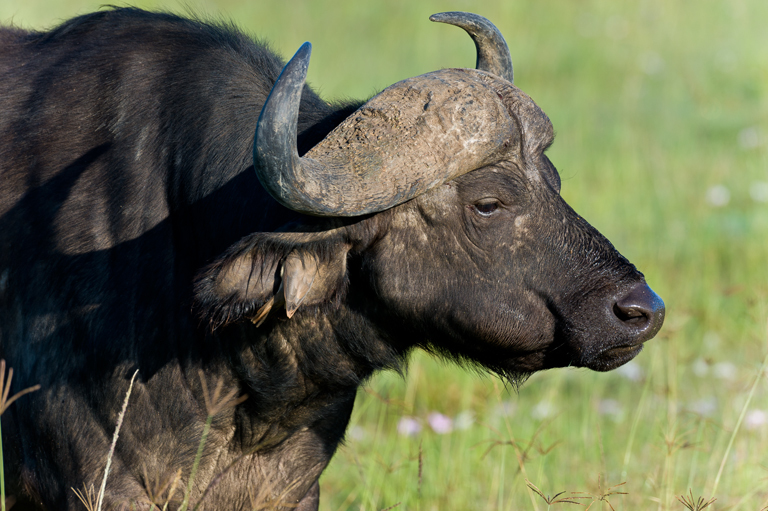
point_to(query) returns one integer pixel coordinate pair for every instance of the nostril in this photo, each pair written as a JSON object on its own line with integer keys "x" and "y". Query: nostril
{"x": 640, "y": 308}
{"x": 633, "y": 315}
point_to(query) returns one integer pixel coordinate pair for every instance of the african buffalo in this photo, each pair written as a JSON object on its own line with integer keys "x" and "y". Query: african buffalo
{"x": 144, "y": 226}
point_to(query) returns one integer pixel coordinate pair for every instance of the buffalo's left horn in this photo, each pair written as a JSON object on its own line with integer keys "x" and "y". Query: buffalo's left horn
{"x": 411, "y": 137}
{"x": 275, "y": 157}
{"x": 492, "y": 50}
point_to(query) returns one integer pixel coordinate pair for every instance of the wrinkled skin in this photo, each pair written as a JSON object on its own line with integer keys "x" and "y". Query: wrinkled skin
{"x": 516, "y": 279}
{"x": 508, "y": 307}
{"x": 134, "y": 235}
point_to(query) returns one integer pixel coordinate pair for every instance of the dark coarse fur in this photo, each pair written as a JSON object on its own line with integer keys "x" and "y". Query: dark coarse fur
{"x": 125, "y": 169}
{"x": 134, "y": 234}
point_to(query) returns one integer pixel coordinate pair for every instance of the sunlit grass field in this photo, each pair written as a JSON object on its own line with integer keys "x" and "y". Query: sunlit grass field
{"x": 661, "y": 110}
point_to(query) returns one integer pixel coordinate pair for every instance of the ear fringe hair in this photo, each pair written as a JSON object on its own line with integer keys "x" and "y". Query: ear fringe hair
{"x": 266, "y": 252}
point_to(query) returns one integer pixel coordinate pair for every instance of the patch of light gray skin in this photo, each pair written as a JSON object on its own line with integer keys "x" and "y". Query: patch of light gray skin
{"x": 533, "y": 175}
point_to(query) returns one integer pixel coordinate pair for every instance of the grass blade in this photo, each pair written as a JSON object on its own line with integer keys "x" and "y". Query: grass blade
{"x": 738, "y": 424}
{"x": 196, "y": 463}
{"x": 5, "y": 402}
{"x": 114, "y": 442}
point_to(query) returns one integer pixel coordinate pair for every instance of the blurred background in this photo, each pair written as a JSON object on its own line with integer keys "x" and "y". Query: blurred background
{"x": 661, "y": 113}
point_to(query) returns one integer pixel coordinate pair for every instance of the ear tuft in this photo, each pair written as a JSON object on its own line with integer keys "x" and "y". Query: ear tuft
{"x": 298, "y": 272}
{"x": 267, "y": 271}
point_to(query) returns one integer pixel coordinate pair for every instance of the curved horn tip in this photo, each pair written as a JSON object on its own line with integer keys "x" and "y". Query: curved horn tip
{"x": 450, "y": 16}
{"x": 275, "y": 158}
{"x": 443, "y": 17}
{"x": 461, "y": 19}
{"x": 492, "y": 50}
{"x": 305, "y": 48}
{"x": 301, "y": 56}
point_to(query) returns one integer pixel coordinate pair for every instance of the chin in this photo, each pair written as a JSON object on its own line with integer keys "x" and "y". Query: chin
{"x": 612, "y": 358}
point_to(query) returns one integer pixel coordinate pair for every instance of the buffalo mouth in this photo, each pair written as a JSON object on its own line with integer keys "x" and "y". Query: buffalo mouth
{"x": 630, "y": 319}
{"x": 612, "y": 358}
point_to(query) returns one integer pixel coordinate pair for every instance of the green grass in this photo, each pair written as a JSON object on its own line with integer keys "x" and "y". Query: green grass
{"x": 655, "y": 103}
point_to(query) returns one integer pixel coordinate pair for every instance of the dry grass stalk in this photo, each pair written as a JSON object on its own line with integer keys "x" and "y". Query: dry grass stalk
{"x": 160, "y": 490}
{"x": 263, "y": 500}
{"x": 229, "y": 467}
{"x": 555, "y": 499}
{"x": 602, "y": 495}
{"x": 5, "y": 388}
{"x": 421, "y": 466}
{"x": 87, "y": 496}
{"x": 523, "y": 451}
{"x": 5, "y": 402}
{"x": 215, "y": 403}
{"x": 172, "y": 491}
{"x": 695, "y": 504}
{"x": 114, "y": 442}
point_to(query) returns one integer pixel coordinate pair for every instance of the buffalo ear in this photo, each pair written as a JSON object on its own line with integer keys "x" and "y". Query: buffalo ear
{"x": 266, "y": 272}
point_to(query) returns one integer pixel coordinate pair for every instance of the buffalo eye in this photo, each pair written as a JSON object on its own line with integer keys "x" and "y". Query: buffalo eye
{"x": 486, "y": 207}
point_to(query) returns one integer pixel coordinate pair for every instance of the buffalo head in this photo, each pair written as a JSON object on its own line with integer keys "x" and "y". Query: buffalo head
{"x": 434, "y": 213}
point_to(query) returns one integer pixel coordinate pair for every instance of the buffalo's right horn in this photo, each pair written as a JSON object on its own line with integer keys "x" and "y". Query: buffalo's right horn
{"x": 492, "y": 50}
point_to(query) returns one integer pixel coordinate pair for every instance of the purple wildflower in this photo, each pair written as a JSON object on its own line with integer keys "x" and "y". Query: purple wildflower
{"x": 408, "y": 426}
{"x": 439, "y": 423}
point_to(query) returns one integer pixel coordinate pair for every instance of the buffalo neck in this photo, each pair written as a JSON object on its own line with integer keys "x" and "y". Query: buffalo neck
{"x": 301, "y": 370}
